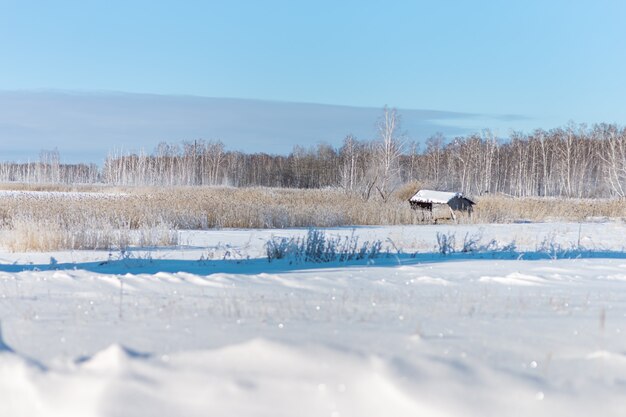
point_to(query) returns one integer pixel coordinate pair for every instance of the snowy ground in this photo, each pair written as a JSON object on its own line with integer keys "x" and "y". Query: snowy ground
{"x": 211, "y": 328}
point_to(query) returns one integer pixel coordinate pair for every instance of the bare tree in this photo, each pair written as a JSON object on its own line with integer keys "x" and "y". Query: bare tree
{"x": 613, "y": 153}
{"x": 389, "y": 151}
{"x": 349, "y": 156}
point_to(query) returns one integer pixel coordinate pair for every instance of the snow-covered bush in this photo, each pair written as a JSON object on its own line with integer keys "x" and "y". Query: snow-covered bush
{"x": 279, "y": 248}
{"x": 446, "y": 244}
{"x": 474, "y": 243}
{"x": 317, "y": 246}
{"x": 550, "y": 247}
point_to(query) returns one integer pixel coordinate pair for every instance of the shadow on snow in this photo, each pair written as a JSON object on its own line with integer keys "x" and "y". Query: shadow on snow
{"x": 137, "y": 262}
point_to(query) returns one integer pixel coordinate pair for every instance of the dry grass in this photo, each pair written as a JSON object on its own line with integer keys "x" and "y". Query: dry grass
{"x": 503, "y": 209}
{"x": 92, "y": 188}
{"x": 29, "y": 233}
{"x": 407, "y": 190}
{"x": 149, "y": 216}
{"x": 79, "y": 221}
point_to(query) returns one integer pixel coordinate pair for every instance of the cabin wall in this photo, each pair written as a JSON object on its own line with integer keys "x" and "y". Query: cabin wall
{"x": 423, "y": 206}
{"x": 460, "y": 204}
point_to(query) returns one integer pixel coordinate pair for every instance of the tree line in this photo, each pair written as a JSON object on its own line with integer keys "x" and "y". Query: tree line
{"x": 571, "y": 161}
{"x": 49, "y": 170}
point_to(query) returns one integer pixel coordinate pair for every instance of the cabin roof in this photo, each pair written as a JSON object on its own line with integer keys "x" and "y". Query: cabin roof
{"x": 436, "y": 197}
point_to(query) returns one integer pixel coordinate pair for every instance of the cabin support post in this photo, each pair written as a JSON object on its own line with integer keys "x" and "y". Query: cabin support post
{"x": 452, "y": 213}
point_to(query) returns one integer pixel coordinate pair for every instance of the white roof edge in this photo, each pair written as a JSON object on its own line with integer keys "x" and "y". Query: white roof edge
{"x": 431, "y": 196}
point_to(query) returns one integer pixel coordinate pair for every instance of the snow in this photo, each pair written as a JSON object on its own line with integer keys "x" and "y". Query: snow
{"x": 438, "y": 197}
{"x": 211, "y": 328}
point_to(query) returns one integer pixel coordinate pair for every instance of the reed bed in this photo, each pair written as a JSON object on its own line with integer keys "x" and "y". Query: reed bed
{"x": 504, "y": 209}
{"x": 108, "y": 218}
{"x": 45, "y": 221}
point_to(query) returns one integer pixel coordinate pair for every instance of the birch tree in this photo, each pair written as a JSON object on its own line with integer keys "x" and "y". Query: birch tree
{"x": 389, "y": 151}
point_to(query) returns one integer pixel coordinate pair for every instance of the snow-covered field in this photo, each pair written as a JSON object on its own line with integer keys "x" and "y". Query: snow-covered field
{"x": 212, "y": 329}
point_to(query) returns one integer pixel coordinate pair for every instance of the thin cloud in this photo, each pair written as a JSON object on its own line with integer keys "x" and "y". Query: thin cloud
{"x": 86, "y": 126}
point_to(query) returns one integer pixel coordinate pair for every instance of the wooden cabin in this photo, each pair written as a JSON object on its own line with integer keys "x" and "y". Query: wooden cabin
{"x": 431, "y": 201}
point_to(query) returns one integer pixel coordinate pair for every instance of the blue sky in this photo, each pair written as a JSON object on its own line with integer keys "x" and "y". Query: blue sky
{"x": 546, "y": 61}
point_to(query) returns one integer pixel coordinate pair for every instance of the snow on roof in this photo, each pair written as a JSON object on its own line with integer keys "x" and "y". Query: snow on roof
{"x": 430, "y": 196}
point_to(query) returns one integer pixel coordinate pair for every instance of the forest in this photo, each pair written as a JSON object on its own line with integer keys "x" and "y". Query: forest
{"x": 575, "y": 161}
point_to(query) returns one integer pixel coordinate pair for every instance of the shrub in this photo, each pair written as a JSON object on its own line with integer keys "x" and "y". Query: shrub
{"x": 446, "y": 244}
{"x": 317, "y": 247}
